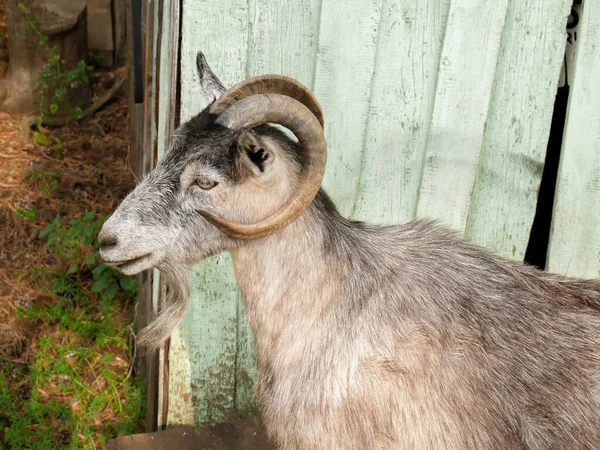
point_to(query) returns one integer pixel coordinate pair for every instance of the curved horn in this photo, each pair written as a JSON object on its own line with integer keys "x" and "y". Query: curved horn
{"x": 268, "y": 84}
{"x": 283, "y": 110}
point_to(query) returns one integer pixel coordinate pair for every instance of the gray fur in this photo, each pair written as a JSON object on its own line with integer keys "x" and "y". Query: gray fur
{"x": 370, "y": 337}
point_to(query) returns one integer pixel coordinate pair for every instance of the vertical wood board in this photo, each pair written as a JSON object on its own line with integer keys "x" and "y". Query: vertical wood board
{"x": 575, "y": 236}
{"x": 518, "y": 124}
{"x": 466, "y": 74}
{"x": 202, "y": 364}
{"x": 405, "y": 76}
{"x": 344, "y": 71}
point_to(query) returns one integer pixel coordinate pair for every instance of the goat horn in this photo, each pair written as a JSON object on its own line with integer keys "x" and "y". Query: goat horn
{"x": 268, "y": 84}
{"x": 283, "y": 110}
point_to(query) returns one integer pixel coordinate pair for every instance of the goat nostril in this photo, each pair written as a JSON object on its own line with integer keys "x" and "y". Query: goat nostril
{"x": 107, "y": 242}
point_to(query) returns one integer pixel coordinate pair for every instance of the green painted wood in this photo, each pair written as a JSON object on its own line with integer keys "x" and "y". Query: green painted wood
{"x": 518, "y": 124}
{"x": 344, "y": 71}
{"x": 575, "y": 235}
{"x": 203, "y": 352}
{"x": 466, "y": 74}
{"x": 283, "y": 39}
{"x": 408, "y": 53}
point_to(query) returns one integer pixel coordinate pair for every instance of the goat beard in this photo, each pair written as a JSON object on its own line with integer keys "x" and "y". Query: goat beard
{"x": 178, "y": 283}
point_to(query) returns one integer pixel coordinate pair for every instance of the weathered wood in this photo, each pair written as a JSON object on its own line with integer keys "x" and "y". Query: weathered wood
{"x": 167, "y": 91}
{"x": 575, "y": 235}
{"x": 408, "y": 54}
{"x": 245, "y": 434}
{"x": 344, "y": 71}
{"x": 143, "y": 148}
{"x": 203, "y": 348}
{"x": 518, "y": 124}
{"x": 466, "y": 74}
{"x": 283, "y": 38}
{"x": 100, "y": 30}
{"x": 119, "y": 11}
{"x": 167, "y": 111}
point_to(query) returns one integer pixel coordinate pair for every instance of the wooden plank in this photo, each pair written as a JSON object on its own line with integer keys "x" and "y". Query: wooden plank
{"x": 202, "y": 354}
{"x": 167, "y": 111}
{"x": 247, "y": 434}
{"x": 282, "y": 39}
{"x": 466, "y": 74}
{"x": 518, "y": 124}
{"x": 167, "y": 92}
{"x": 344, "y": 70}
{"x": 575, "y": 236}
{"x": 119, "y": 14}
{"x": 408, "y": 55}
{"x": 142, "y": 148}
{"x": 100, "y": 31}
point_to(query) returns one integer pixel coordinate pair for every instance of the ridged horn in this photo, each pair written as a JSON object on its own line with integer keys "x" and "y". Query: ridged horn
{"x": 268, "y": 84}
{"x": 283, "y": 110}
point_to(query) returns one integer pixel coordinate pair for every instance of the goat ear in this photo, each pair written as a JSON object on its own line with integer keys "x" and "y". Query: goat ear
{"x": 255, "y": 156}
{"x": 211, "y": 85}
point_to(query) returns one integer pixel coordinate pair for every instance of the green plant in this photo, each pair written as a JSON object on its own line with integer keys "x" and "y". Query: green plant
{"x": 43, "y": 140}
{"x": 77, "y": 246}
{"x": 76, "y": 393}
{"x": 28, "y": 213}
{"x": 48, "y": 181}
{"x": 55, "y": 81}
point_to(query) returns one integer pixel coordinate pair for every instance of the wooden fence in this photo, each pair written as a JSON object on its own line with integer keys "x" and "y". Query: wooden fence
{"x": 438, "y": 109}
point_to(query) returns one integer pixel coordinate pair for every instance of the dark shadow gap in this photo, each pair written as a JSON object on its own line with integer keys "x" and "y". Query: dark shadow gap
{"x": 539, "y": 238}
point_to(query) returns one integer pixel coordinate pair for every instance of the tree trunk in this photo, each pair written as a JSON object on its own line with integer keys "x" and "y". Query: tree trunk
{"x": 64, "y": 23}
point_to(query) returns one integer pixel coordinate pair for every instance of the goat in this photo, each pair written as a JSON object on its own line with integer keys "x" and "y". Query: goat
{"x": 368, "y": 337}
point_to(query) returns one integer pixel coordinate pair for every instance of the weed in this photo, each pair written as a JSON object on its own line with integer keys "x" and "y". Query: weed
{"x": 43, "y": 140}
{"x": 77, "y": 392}
{"x": 48, "y": 181}
{"x": 54, "y": 81}
{"x": 28, "y": 213}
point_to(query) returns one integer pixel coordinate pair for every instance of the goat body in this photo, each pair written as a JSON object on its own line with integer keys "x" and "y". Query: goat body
{"x": 409, "y": 338}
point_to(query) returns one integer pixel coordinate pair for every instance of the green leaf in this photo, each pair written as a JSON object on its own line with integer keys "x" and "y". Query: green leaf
{"x": 51, "y": 227}
{"x": 128, "y": 284}
{"x": 41, "y": 139}
{"x": 53, "y": 238}
{"x": 53, "y": 108}
{"x": 90, "y": 259}
{"x": 110, "y": 291}
{"x": 98, "y": 271}
{"x": 72, "y": 269}
{"x": 100, "y": 285}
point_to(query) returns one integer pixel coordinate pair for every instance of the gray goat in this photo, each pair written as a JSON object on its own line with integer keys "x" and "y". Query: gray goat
{"x": 368, "y": 337}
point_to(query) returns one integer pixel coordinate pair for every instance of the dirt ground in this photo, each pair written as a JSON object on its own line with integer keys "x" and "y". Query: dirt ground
{"x": 93, "y": 173}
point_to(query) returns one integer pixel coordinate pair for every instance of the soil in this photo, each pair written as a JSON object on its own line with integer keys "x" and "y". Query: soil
{"x": 93, "y": 173}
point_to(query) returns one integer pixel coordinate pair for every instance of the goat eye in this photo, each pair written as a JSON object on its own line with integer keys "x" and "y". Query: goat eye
{"x": 206, "y": 184}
